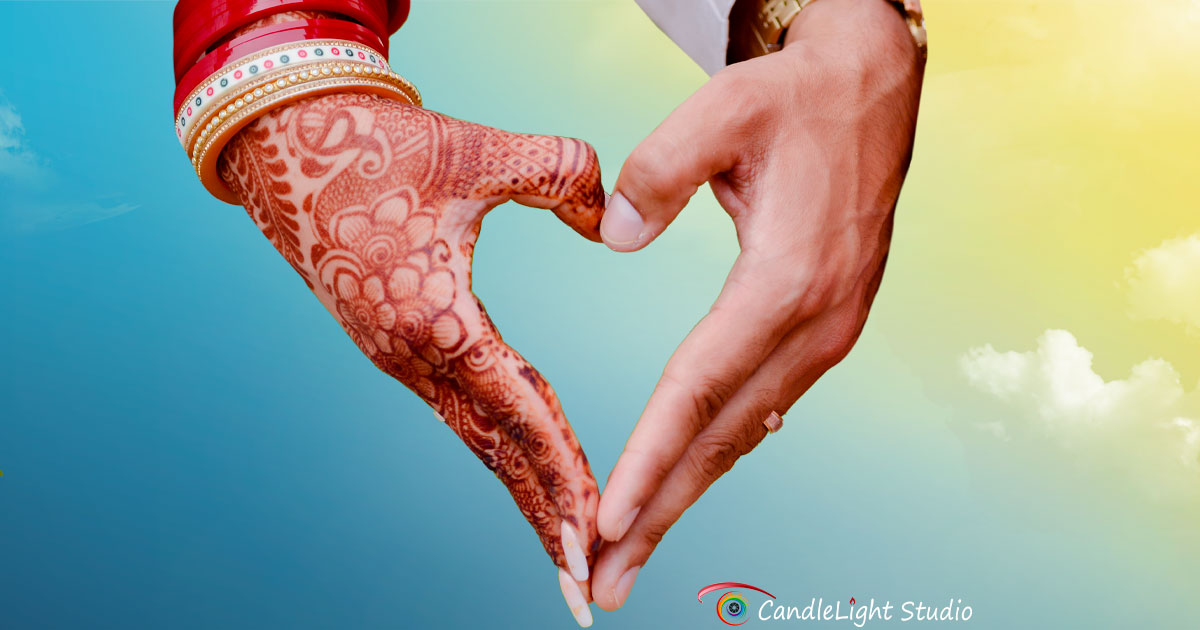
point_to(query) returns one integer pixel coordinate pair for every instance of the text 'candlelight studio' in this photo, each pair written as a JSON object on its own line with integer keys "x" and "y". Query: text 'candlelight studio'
{"x": 860, "y": 614}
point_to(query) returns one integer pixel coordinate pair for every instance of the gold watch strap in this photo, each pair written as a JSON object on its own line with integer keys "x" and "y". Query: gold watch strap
{"x": 760, "y": 26}
{"x": 916, "y": 23}
{"x": 757, "y": 26}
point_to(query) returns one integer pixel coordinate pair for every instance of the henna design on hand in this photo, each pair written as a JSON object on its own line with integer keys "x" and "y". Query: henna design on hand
{"x": 377, "y": 205}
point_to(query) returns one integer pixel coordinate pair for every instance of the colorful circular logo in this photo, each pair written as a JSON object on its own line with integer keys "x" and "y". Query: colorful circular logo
{"x": 731, "y": 608}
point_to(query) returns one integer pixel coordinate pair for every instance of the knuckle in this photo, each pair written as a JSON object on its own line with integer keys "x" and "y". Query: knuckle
{"x": 706, "y": 394}
{"x": 655, "y": 530}
{"x": 586, "y": 152}
{"x": 585, "y": 186}
{"x": 648, "y": 169}
{"x": 811, "y": 291}
{"x": 653, "y": 463}
{"x": 786, "y": 278}
{"x": 734, "y": 86}
{"x": 765, "y": 400}
{"x": 838, "y": 342}
{"x": 810, "y": 283}
{"x": 811, "y": 299}
{"x": 716, "y": 452}
{"x": 742, "y": 94}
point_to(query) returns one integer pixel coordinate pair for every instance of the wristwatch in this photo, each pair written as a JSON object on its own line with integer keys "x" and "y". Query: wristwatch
{"x": 757, "y": 27}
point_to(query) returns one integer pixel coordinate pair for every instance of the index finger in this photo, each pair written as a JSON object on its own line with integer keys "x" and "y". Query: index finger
{"x": 744, "y": 325}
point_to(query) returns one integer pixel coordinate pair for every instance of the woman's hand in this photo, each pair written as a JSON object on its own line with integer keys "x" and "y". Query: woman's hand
{"x": 806, "y": 149}
{"x": 377, "y": 205}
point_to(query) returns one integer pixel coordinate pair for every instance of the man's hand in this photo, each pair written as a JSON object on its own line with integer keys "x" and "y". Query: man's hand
{"x": 806, "y": 149}
{"x": 378, "y": 206}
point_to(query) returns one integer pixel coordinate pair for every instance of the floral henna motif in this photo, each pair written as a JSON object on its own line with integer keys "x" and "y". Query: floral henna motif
{"x": 377, "y": 205}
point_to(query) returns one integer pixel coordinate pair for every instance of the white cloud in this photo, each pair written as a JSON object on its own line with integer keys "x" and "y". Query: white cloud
{"x": 16, "y": 158}
{"x": 33, "y": 198}
{"x": 21, "y": 218}
{"x": 1164, "y": 282}
{"x": 1144, "y": 427}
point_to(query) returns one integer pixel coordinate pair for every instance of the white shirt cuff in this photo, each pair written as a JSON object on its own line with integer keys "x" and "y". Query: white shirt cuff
{"x": 699, "y": 27}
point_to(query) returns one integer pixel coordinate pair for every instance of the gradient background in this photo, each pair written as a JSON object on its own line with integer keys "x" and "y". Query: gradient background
{"x": 188, "y": 441}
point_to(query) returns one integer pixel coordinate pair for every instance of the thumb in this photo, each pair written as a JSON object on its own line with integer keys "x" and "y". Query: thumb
{"x": 692, "y": 145}
{"x": 557, "y": 174}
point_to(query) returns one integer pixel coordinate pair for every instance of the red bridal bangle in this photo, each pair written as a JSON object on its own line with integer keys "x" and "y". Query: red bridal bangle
{"x": 270, "y": 36}
{"x": 397, "y": 14}
{"x": 206, "y": 22}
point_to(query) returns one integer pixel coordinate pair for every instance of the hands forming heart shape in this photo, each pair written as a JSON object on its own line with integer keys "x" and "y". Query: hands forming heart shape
{"x": 378, "y": 205}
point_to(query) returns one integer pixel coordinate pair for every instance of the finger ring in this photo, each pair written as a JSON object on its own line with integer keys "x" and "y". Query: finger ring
{"x": 773, "y": 422}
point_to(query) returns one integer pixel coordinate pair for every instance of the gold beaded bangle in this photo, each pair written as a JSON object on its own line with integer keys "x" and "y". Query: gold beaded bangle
{"x": 208, "y": 146}
{"x": 270, "y": 82}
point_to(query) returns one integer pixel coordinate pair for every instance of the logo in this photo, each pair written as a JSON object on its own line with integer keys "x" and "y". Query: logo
{"x": 731, "y": 607}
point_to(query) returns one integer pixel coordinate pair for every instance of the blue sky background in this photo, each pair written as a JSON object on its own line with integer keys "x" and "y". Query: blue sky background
{"x": 189, "y": 441}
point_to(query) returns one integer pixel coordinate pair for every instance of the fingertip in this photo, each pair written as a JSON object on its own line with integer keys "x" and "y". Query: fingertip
{"x": 622, "y": 499}
{"x": 612, "y": 581}
{"x": 632, "y": 482}
{"x": 625, "y": 585}
{"x": 615, "y": 523}
{"x": 573, "y": 551}
{"x": 585, "y": 587}
{"x": 623, "y": 227}
{"x": 604, "y": 583}
{"x": 608, "y": 518}
{"x": 627, "y": 521}
{"x": 607, "y": 603}
{"x": 574, "y": 597}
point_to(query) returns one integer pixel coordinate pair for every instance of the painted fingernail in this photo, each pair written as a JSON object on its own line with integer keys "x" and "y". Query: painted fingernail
{"x": 626, "y": 521}
{"x": 624, "y": 585}
{"x": 622, "y": 224}
{"x": 575, "y": 601}
{"x": 576, "y": 559}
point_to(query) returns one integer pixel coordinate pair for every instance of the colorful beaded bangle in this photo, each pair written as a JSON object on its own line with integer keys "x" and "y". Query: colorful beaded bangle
{"x": 206, "y": 24}
{"x": 267, "y": 83}
{"x": 271, "y": 37}
{"x": 246, "y": 109}
{"x": 234, "y": 77}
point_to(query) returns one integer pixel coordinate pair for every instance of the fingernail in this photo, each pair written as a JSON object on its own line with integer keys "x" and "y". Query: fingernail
{"x": 626, "y": 522}
{"x": 575, "y": 600}
{"x": 576, "y": 559}
{"x": 624, "y": 585}
{"x": 621, "y": 225}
